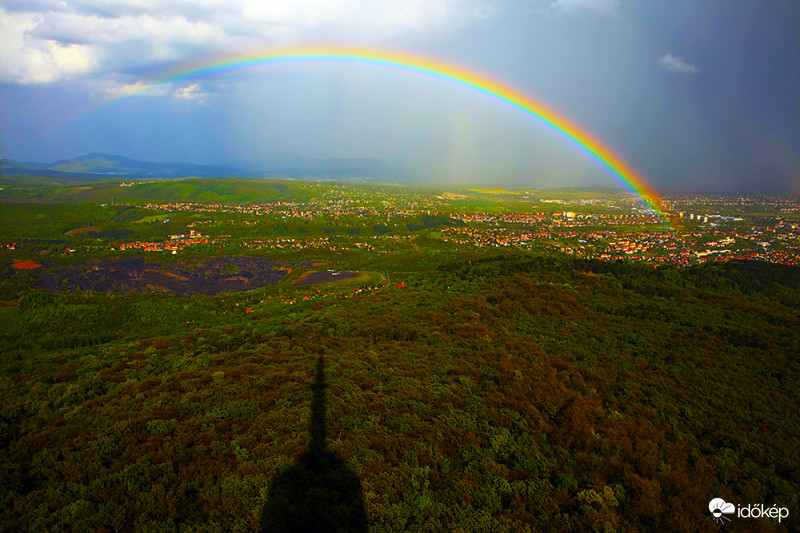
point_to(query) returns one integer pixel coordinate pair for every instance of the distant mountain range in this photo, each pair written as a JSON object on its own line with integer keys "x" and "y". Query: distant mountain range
{"x": 103, "y": 166}
{"x": 106, "y": 165}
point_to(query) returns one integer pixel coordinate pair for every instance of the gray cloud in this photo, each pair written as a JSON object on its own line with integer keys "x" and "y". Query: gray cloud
{"x": 45, "y": 41}
{"x": 676, "y": 64}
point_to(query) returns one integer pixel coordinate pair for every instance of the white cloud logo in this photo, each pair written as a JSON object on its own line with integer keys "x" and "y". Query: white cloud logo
{"x": 719, "y": 508}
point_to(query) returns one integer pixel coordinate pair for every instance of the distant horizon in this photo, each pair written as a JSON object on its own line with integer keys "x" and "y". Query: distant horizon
{"x": 345, "y": 176}
{"x": 301, "y": 174}
{"x": 666, "y": 96}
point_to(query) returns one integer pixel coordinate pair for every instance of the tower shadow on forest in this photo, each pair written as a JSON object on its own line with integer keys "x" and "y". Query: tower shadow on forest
{"x": 318, "y": 493}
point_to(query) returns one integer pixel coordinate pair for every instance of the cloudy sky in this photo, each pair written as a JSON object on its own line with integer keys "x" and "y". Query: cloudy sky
{"x": 693, "y": 94}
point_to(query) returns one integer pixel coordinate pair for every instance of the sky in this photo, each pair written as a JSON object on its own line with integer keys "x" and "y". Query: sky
{"x": 693, "y": 95}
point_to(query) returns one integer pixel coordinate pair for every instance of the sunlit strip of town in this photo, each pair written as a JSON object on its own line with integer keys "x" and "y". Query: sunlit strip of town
{"x": 691, "y": 229}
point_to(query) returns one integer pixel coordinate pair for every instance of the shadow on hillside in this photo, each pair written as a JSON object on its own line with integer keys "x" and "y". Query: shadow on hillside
{"x": 318, "y": 492}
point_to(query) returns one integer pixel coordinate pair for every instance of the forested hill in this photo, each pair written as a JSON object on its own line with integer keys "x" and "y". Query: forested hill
{"x": 203, "y": 190}
{"x": 503, "y": 394}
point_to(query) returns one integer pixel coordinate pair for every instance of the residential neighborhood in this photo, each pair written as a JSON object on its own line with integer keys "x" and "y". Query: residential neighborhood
{"x": 691, "y": 229}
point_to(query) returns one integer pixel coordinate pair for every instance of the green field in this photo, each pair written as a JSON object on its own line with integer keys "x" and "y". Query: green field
{"x": 450, "y": 386}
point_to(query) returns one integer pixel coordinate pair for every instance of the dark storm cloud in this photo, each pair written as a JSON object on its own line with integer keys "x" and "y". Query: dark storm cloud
{"x": 688, "y": 93}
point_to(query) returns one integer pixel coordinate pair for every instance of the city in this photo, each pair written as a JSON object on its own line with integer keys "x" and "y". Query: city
{"x": 692, "y": 229}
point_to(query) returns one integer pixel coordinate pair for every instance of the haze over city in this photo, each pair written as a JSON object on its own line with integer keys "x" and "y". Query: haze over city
{"x": 692, "y": 96}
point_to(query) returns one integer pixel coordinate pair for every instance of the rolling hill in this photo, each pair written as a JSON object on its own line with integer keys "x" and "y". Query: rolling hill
{"x": 96, "y": 166}
{"x": 103, "y": 165}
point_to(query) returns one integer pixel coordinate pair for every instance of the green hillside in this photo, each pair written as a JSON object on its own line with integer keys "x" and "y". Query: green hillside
{"x": 206, "y": 190}
{"x": 504, "y": 394}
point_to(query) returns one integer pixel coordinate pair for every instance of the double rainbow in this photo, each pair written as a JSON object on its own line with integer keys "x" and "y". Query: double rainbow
{"x": 442, "y": 72}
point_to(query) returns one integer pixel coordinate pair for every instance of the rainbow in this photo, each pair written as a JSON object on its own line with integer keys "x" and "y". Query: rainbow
{"x": 442, "y": 72}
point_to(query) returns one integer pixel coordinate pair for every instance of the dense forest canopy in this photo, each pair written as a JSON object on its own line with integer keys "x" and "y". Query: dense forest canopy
{"x": 493, "y": 360}
{"x": 509, "y": 393}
